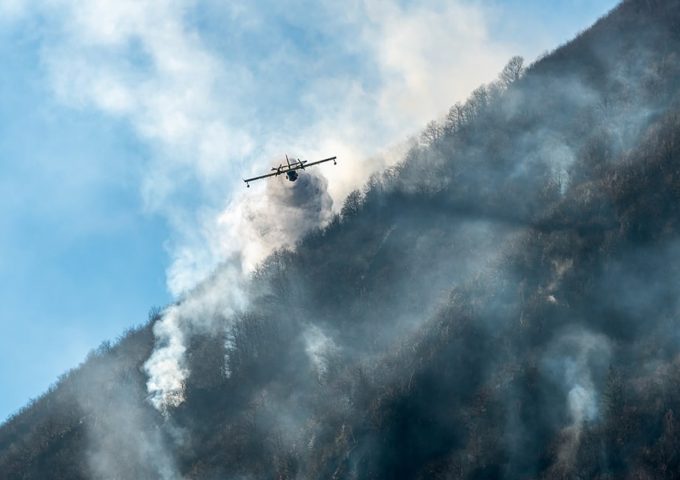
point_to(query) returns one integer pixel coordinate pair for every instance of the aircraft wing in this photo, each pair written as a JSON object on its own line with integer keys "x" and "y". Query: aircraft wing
{"x": 247, "y": 180}
{"x": 320, "y": 161}
{"x": 283, "y": 169}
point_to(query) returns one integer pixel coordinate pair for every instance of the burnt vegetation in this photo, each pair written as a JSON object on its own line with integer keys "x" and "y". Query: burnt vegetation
{"x": 501, "y": 304}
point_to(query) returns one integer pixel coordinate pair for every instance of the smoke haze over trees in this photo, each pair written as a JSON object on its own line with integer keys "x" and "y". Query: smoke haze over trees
{"x": 502, "y": 304}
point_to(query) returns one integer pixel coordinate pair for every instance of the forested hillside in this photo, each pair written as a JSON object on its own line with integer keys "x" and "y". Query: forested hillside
{"x": 504, "y": 303}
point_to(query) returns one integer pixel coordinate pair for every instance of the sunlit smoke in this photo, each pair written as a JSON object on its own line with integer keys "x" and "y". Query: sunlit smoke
{"x": 165, "y": 367}
{"x": 277, "y": 219}
{"x": 255, "y": 225}
{"x": 208, "y": 308}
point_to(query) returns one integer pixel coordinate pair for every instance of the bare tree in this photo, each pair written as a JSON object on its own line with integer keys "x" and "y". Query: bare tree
{"x": 431, "y": 133}
{"x": 512, "y": 71}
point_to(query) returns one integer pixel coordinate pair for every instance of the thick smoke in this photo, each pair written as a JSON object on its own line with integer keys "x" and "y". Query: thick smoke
{"x": 501, "y": 304}
{"x": 206, "y": 309}
{"x": 258, "y": 225}
{"x": 401, "y": 313}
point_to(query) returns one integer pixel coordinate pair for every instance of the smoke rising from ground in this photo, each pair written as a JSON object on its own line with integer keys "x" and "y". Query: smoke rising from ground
{"x": 578, "y": 361}
{"x": 276, "y": 220}
{"x": 501, "y": 304}
{"x": 463, "y": 257}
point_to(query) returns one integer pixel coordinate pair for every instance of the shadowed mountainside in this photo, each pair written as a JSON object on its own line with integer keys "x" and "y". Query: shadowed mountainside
{"x": 502, "y": 304}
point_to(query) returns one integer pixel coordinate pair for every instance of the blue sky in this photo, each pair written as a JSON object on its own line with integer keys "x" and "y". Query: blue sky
{"x": 126, "y": 126}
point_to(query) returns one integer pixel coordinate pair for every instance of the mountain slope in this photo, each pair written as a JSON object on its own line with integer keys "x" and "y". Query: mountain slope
{"x": 503, "y": 304}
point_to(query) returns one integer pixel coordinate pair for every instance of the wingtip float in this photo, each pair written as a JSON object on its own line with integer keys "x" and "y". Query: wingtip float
{"x": 290, "y": 170}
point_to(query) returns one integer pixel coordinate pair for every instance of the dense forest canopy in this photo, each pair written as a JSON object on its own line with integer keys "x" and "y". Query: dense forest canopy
{"x": 501, "y": 304}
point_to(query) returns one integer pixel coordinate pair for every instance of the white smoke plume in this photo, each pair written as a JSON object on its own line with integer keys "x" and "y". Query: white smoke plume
{"x": 574, "y": 360}
{"x": 165, "y": 367}
{"x": 319, "y": 347}
{"x": 207, "y": 308}
{"x": 277, "y": 219}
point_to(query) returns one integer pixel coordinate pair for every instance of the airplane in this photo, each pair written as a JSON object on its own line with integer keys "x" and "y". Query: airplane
{"x": 290, "y": 170}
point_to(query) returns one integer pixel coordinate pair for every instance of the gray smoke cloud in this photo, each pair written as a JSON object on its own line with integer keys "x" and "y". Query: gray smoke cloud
{"x": 577, "y": 360}
{"x": 123, "y": 438}
{"x": 286, "y": 212}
